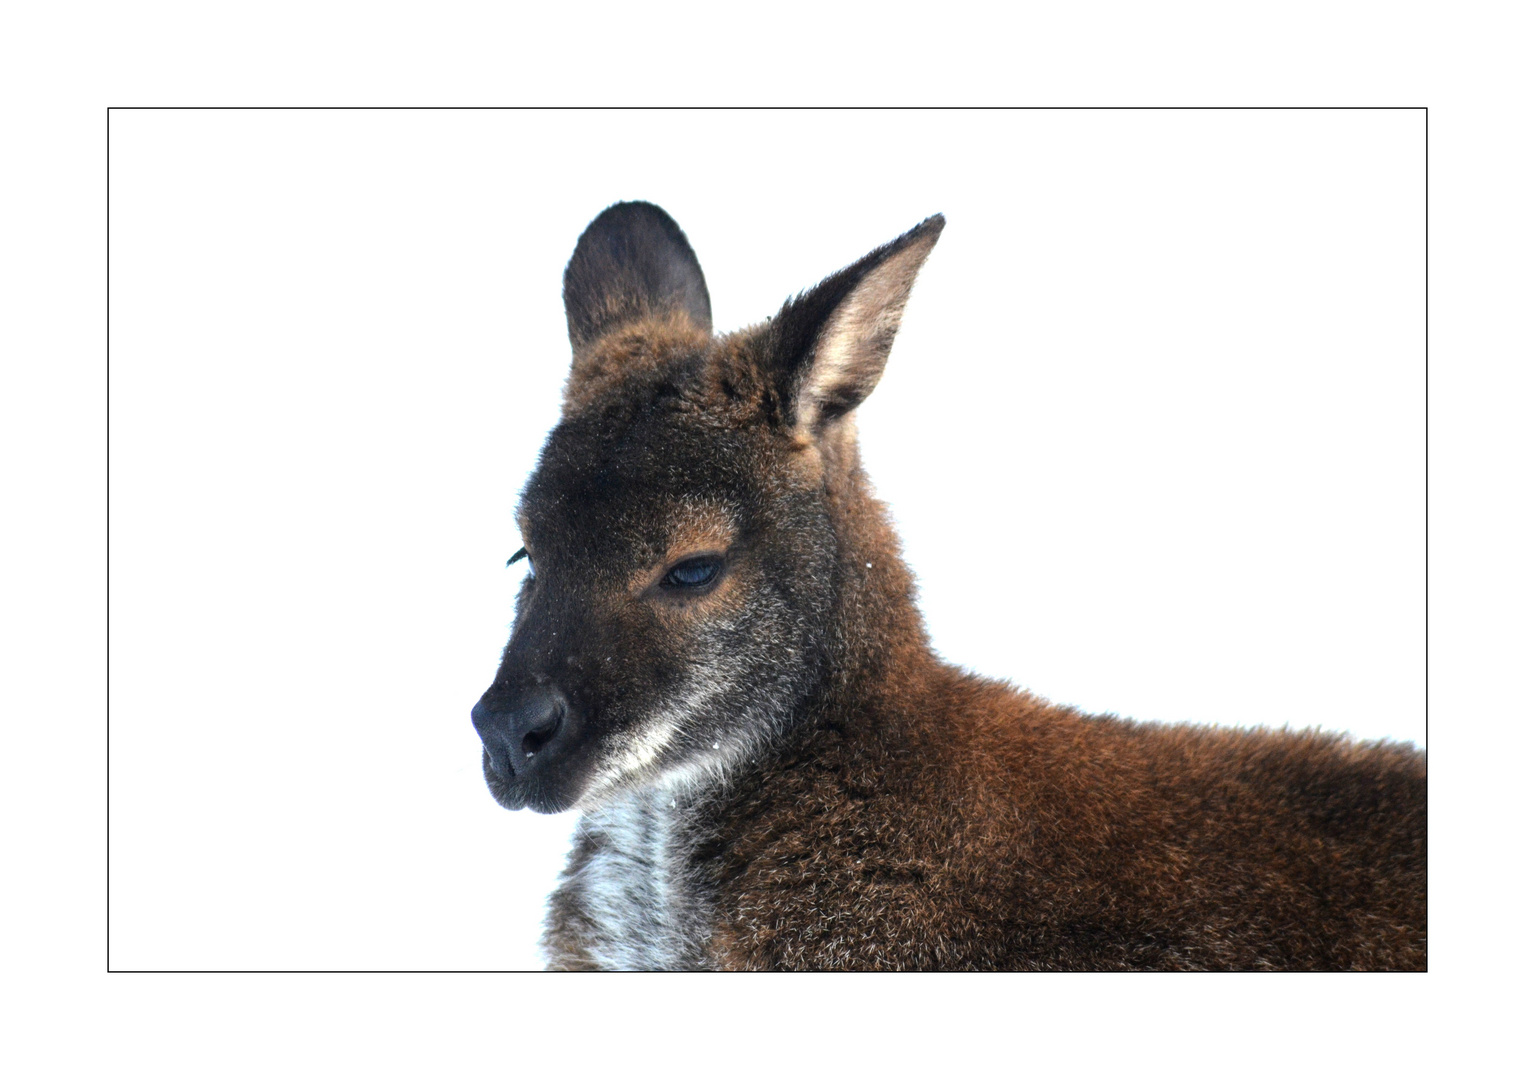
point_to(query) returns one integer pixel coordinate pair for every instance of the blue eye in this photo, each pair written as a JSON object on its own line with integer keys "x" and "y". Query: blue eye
{"x": 692, "y": 574}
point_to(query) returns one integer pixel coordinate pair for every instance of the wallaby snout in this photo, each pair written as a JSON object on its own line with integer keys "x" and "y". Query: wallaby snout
{"x": 520, "y": 730}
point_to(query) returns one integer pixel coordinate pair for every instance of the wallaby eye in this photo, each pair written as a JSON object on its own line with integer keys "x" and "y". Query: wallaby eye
{"x": 693, "y": 573}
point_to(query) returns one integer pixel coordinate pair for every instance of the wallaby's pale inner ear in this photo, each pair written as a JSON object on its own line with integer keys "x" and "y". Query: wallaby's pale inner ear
{"x": 830, "y": 344}
{"x": 850, "y": 354}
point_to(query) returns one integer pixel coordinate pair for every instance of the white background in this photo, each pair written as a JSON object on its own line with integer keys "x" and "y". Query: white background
{"x": 1153, "y": 433}
{"x": 62, "y": 65}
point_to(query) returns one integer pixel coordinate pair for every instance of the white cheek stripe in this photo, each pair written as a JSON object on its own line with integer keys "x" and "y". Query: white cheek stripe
{"x": 645, "y": 747}
{"x": 643, "y": 750}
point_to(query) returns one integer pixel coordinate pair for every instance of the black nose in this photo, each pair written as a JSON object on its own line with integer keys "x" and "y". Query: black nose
{"x": 516, "y": 725}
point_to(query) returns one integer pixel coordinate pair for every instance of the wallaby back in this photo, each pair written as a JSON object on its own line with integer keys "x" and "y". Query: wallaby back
{"x": 717, "y": 657}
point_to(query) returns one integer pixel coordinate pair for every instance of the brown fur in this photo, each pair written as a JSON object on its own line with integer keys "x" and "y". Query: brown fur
{"x": 880, "y": 809}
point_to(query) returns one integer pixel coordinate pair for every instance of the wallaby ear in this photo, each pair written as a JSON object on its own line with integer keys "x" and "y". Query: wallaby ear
{"x": 632, "y": 263}
{"x": 828, "y": 345}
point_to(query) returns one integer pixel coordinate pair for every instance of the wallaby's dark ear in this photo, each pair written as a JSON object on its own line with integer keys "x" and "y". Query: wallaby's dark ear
{"x": 632, "y": 263}
{"x": 828, "y": 346}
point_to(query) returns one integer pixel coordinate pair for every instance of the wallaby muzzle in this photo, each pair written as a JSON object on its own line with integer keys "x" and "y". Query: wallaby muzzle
{"x": 516, "y": 727}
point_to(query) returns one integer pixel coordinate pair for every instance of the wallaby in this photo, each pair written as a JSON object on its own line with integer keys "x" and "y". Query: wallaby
{"x": 718, "y": 658}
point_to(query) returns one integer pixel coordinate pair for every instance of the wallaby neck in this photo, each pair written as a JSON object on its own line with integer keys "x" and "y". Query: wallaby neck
{"x": 878, "y": 641}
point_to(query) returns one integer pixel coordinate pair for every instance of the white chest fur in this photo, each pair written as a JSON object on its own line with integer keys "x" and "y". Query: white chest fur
{"x": 639, "y": 908}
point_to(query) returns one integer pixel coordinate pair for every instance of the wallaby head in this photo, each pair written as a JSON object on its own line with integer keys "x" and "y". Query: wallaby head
{"x": 696, "y": 529}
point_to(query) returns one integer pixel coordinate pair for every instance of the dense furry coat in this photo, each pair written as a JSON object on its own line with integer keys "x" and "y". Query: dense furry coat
{"x": 717, "y": 656}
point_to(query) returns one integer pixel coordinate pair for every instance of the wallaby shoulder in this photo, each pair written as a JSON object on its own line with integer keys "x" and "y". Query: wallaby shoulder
{"x": 985, "y": 828}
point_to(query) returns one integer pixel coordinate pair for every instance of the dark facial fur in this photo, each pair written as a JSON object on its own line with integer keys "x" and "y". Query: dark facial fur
{"x": 654, "y": 675}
